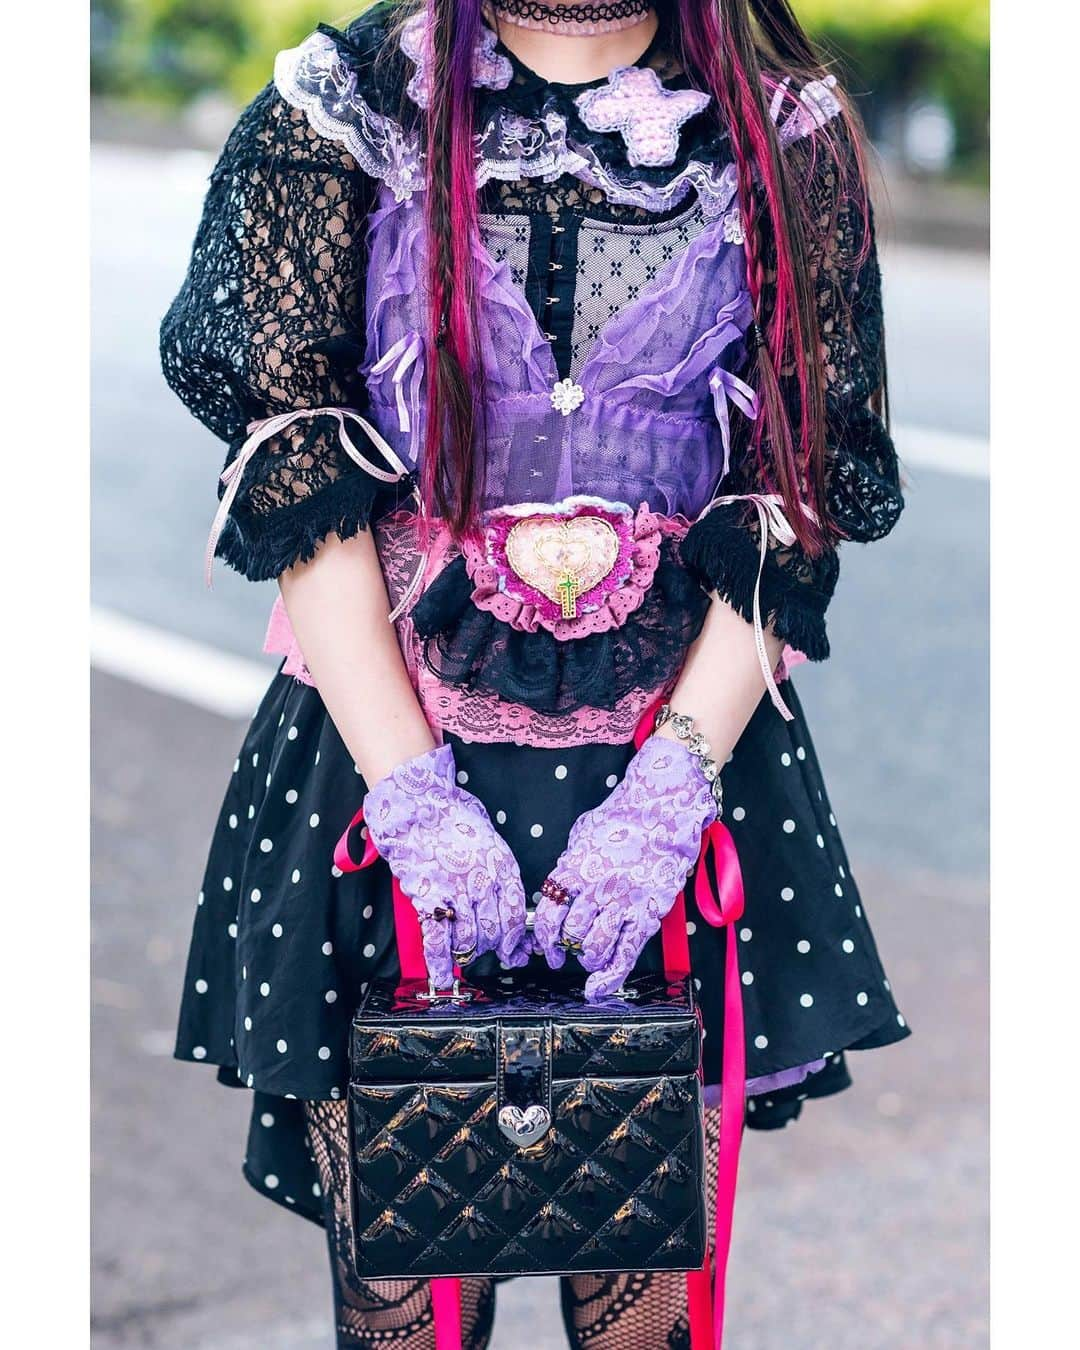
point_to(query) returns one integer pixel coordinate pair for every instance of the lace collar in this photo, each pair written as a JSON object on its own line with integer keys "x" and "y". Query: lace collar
{"x": 360, "y": 89}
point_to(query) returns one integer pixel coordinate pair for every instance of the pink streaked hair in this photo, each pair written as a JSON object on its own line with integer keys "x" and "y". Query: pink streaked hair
{"x": 741, "y": 52}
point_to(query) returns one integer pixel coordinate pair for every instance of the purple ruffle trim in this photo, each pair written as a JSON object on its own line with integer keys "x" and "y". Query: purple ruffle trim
{"x": 769, "y": 1082}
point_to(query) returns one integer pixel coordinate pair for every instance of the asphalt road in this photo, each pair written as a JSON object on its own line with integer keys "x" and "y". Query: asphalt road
{"x": 871, "y": 1211}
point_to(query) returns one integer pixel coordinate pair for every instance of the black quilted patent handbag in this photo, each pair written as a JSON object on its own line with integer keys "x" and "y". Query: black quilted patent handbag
{"x": 517, "y": 1129}
{"x": 508, "y": 1127}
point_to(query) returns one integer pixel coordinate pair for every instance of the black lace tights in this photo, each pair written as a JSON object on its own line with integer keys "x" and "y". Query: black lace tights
{"x": 638, "y": 1311}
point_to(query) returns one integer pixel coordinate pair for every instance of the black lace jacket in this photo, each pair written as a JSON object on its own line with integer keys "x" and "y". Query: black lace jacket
{"x": 270, "y": 316}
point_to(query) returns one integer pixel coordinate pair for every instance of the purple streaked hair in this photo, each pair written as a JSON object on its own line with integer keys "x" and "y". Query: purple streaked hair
{"x": 740, "y": 52}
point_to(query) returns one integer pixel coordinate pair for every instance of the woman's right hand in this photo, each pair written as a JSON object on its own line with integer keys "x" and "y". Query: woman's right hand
{"x": 457, "y": 871}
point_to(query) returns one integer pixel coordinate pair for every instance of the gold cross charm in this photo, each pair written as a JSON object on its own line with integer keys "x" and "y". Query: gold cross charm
{"x": 568, "y": 595}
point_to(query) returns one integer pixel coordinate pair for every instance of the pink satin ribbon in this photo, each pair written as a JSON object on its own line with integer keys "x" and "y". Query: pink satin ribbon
{"x": 704, "y": 1289}
{"x": 771, "y": 520}
{"x": 259, "y": 433}
{"x": 405, "y": 362}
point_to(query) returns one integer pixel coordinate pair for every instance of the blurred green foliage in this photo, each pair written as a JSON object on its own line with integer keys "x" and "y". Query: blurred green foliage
{"x": 895, "y": 52}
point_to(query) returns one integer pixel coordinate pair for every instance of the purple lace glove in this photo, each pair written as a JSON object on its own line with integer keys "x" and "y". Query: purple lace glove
{"x": 624, "y": 864}
{"x": 460, "y": 875}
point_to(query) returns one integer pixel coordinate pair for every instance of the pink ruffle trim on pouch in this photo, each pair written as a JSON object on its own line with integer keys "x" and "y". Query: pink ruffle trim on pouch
{"x": 502, "y": 590}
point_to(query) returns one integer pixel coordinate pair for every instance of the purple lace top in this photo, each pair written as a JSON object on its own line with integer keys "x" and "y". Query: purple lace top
{"x": 612, "y": 322}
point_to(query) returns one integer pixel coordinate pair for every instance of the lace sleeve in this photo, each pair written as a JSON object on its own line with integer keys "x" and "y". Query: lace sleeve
{"x": 268, "y": 321}
{"x": 862, "y": 475}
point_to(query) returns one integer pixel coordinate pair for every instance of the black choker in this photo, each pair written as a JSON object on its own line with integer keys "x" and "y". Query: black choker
{"x": 584, "y": 19}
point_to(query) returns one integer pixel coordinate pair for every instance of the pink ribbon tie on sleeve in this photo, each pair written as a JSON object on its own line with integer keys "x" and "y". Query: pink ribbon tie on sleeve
{"x": 728, "y": 388}
{"x": 259, "y": 432}
{"x": 771, "y": 520}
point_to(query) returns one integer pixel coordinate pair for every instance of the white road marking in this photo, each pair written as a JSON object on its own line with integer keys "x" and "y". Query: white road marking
{"x": 177, "y": 666}
{"x": 947, "y": 451}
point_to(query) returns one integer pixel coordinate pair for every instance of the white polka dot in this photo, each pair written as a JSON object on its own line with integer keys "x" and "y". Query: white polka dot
{"x": 746, "y": 934}
{"x": 324, "y": 1052}
{"x": 367, "y": 911}
{"x": 296, "y": 876}
{"x": 500, "y": 817}
{"x": 267, "y": 780}
{"x": 331, "y": 996}
{"x": 226, "y": 885}
{"x": 264, "y": 989}
{"x": 247, "y": 1023}
{"x": 832, "y": 819}
{"x": 255, "y": 759}
{"x": 201, "y": 898}
{"x": 789, "y": 827}
{"x": 256, "y": 896}
{"x": 739, "y": 813}
{"x": 356, "y": 770}
{"x": 266, "y": 1119}
{"x": 282, "y": 1046}
{"x": 691, "y": 927}
{"x": 336, "y": 871}
{"x": 316, "y": 1190}
{"x": 369, "y": 950}
{"x": 787, "y": 893}
{"x": 900, "y": 1020}
{"x": 327, "y": 948}
{"x": 820, "y": 841}
{"x": 462, "y": 777}
{"x": 761, "y": 1042}
{"x": 862, "y": 998}
{"x": 838, "y": 889}
{"x": 251, "y": 1080}
{"x": 318, "y": 756}
{"x": 313, "y": 819}
{"x": 292, "y": 733}
{"x": 611, "y": 780}
{"x": 270, "y": 1181}
{"x": 858, "y": 911}
{"x": 236, "y": 765}
{"x": 292, "y": 796}
{"x": 201, "y": 986}
{"x": 848, "y": 945}
{"x": 800, "y": 753}
{"x": 807, "y": 1000}
{"x": 277, "y": 930}
{"x": 561, "y": 771}
{"x": 199, "y": 1052}
{"x": 232, "y": 930}
{"x": 697, "y": 983}
{"x": 251, "y": 813}
{"x": 748, "y": 977}
{"x": 233, "y": 822}
{"x": 335, "y": 1093}
{"x": 785, "y": 760}
{"x": 841, "y": 871}
{"x": 536, "y": 831}
{"x": 887, "y": 985}
{"x": 243, "y": 972}
{"x": 266, "y": 845}
{"x": 802, "y": 946}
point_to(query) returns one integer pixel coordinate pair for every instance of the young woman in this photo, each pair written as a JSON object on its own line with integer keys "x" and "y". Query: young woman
{"x": 553, "y": 332}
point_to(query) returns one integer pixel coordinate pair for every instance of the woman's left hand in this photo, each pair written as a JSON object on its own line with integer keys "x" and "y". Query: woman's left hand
{"x": 624, "y": 865}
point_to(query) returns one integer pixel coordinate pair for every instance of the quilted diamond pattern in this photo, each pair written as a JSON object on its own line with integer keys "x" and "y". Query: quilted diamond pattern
{"x": 616, "y": 1183}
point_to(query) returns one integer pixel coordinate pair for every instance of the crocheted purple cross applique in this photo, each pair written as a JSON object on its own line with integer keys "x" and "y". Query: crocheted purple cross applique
{"x": 491, "y": 70}
{"x": 648, "y": 116}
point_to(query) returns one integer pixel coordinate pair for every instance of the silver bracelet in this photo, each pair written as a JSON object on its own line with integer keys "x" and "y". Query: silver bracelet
{"x": 683, "y": 727}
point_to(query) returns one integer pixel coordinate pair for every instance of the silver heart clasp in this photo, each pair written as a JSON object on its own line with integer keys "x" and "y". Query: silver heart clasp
{"x": 524, "y": 1127}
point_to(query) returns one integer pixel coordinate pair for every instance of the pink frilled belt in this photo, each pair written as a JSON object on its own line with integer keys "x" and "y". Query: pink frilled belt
{"x": 720, "y": 909}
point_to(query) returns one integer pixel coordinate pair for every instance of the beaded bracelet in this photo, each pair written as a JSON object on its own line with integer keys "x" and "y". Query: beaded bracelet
{"x": 683, "y": 727}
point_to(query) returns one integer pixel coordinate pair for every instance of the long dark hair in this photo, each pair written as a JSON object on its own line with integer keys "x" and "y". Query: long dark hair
{"x": 741, "y": 52}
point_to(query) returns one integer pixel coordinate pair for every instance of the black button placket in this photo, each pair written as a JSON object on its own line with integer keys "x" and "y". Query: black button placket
{"x": 550, "y": 285}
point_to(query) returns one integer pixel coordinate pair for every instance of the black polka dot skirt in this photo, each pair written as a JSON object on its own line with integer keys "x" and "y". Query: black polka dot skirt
{"x": 284, "y": 945}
